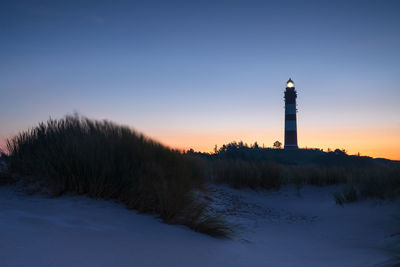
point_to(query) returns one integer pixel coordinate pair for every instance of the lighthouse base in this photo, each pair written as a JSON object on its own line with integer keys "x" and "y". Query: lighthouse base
{"x": 291, "y": 147}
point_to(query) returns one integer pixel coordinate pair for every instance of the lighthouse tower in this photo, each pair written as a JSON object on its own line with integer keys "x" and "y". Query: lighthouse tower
{"x": 290, "y": 116}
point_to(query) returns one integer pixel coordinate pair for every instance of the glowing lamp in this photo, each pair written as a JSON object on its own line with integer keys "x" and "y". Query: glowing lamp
{"x": 290, "y": 84}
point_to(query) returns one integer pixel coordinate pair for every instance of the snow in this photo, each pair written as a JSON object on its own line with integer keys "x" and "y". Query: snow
{"x": 284, "y": 228}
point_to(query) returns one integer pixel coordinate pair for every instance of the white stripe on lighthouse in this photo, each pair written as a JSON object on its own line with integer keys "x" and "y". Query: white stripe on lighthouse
{"x": 290, "y": 125}
{"x": 290, "y": 109}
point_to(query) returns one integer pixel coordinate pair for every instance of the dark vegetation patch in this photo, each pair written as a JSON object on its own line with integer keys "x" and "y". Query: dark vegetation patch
{"x": 348, "y": 195}
{"x": 5, "y": 175}
{"x": 243, "y": 166}
{"x": 104, "y": 160}
{"x": 239, "y": 173}
{"x": 5, "y": 178}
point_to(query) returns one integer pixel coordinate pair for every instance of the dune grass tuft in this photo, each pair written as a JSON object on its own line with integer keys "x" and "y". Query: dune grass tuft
{"x": 248, "y": 174}
{"x": 348, "y": 195}
{"x": 103, "y": 160}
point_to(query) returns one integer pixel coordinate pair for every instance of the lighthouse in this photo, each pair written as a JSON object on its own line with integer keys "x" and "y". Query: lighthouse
{"x": 290, "y": 116}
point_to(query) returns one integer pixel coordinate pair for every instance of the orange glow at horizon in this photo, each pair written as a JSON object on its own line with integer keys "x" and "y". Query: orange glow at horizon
{"x": 376, "y": 143}
{"x": 380, "y": 142}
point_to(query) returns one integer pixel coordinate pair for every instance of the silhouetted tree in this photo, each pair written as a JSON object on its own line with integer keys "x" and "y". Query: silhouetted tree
{"x": 340, "y": 151}
{"x": 277, "y": 144}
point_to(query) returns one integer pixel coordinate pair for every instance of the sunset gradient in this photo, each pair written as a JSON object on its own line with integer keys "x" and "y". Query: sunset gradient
{"x": 195, "y": 74}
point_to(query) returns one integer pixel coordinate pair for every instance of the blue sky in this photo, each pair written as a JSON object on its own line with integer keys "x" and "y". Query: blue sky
{"x": 200, "y": 73}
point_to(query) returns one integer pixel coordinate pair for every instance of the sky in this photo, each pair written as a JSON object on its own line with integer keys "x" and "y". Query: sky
{"x": 195, "y": 74}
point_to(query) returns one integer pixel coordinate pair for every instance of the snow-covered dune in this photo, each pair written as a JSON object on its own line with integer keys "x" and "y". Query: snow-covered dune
{"x": 284, "y": 228}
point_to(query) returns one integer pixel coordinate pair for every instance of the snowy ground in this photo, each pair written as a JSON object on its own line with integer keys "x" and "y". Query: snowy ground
{"x": 282, "y": 228}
